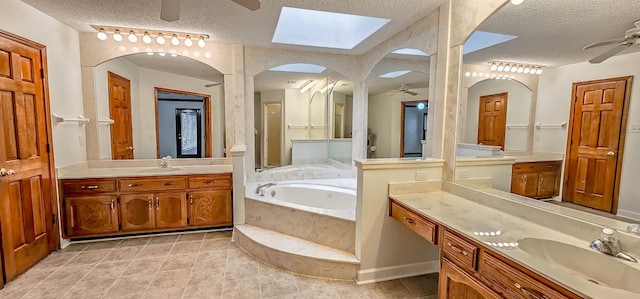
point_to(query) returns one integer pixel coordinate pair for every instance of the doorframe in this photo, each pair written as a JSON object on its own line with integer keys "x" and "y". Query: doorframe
{"x": 402, "y": 106}
{"x": 54, "y": 235}
{"x": 503, "y": 112}
{"x": 621, "y": 140}
{"x": 265, "y": 151}
{"x": 198, "y": 132}
{"x": 208, "y": 142}
{"x": 111, "y": 76}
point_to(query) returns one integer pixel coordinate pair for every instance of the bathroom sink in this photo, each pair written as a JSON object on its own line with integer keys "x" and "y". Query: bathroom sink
{"x": 595, "y": 267}
{"x": 160, "y": 170}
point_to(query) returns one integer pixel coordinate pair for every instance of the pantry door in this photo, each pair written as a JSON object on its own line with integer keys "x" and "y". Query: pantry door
{"x": 26, "y": 162}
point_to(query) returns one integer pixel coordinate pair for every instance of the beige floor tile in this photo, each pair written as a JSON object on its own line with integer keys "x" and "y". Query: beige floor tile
{"x": 218, "y": 235}
{"x": 91, "y": 287}
{"x": 423, "y": 285}
{"x": 157, "y": 250}
{"x": 349, "y": 289}
{"x": 100, "y": 245}
{"x": 215, "y": 244}
{"x": 75, "y": 247}
{"x": 66, "y": 275}
{"x": 241, "y": 289}
{"x": 391, "y": 289}
{"x": 191, "y": 237}
{"x": 56, "y": 260}
{"x": 315, "y": 287}
{"x": 130, "y": 286}
{"x": 88, "y": 257}
{"x": 241, "y": 271}
{"x": 112, "y": 269}
{"x": 28, "y": 280}
{"x": 4, "y": 293}
{"x": 208, "y": 259}
{"x": 123, "y": 253}
{"x": 191, "y": 247}
{"x": 200, "y": 276}
{"x": 170, "y": 239}
{"x": 168, "y": 284}
{"x": 205, "y": 291}
{"x": 277, "y": 286}
{"x": 239, "y": 256}
{"x": 144, "y": 266}
{"x": 134, "y": 242}
{"x": 178, "y": 262}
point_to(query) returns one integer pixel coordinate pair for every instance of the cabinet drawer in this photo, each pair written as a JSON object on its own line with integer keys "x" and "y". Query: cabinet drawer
{"x": 152, "y": 184}
{"x": 213, "y": 181}
{"x": 511, "y": 282}
{"x": 524, "y": 167}
{"x": 463, "y": 252}
{"x": 414, "y": 222}
{"x": 550, "y": 166}
{"x": 88, "y": 186}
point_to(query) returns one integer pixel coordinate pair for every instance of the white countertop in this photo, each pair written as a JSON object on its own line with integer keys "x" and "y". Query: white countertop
{"x": 112, "y": 172}
{"x": 466, "y": 217}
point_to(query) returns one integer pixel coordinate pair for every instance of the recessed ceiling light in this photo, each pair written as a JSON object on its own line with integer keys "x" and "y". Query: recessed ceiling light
{"x": 299, "y": 68}
{"x": 395, "y": 74}
{"x": 481, "y": 39}
{"x": 316, "y": 28}
{"x": 410, "y": 51}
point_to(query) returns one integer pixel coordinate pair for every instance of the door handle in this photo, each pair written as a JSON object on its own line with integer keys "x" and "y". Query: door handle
{"x": 130, "y": 148}
{"x": 6, "y": 172}
{"x": 157, "y": 203}
{"x": 150, "y": 203}
{"x": 611, "y": 153}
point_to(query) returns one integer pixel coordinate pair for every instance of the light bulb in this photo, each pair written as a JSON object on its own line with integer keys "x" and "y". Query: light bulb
{"x": 507, "y": 68}
{"x": 516, "y": 2}
{"x": 117, "y": 36}
{"x": 149, "y": 53}
{"x": 132, "y": 37}
{"x": 188, "y": 42}
{"x": 102, "y": 35}
{"x": 514, "y": 69}
{"x": 501, "y": 68}
{"x": 201, "y": 42}
{"x": 494, "y": 67}
{"x": 474, "y": 74}
{"x": 538, "y": 71}
{"x": 520, "y": 69}
{"x": 526, "y": 70}
{"x": 160, "y": 39}
{"x": 161, "y": 53}
{"x": 174, "y": 55}
{"x": 174, "y": 40}
{"x": 146, "y": 38}
{"x": 467, "y": 74}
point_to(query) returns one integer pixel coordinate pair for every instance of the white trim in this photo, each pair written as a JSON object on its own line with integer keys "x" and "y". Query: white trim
{"x": 395, "y": 272}
{"x": 628, "y": 214}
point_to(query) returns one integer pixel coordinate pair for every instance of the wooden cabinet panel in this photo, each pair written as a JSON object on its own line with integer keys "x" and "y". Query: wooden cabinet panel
{"x": 536, "y": 179}
{"x": 210, "y": 207}
{"x": 464, "y": 252}
{"x": 171, "y": 210}
{"x": 548, "y": 184}
{"x": 88, "y": 186}
{"x": 218, "y": 181}
{"x": 89, "y": 215}
{"x": 414, "y": 222}
{"x": 137, "y": 211}
{"x": 455, "y": 283}
{"x": 152, "y": 184}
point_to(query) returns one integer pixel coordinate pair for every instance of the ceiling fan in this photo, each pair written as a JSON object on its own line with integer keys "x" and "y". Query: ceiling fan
{"x": 212, "y": 84}
{"x": 404, "y": 88}
{"x": 631, "y": 37}
{"x": 170, "y": 10}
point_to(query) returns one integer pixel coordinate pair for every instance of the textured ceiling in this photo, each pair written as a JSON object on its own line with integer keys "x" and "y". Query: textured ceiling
{"x": 179, "y": 65}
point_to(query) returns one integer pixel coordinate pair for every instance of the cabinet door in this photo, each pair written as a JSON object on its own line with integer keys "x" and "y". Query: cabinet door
{"x": 455, "y": 283}
{"x": 171, "y": 209}
{"x": 89, "y": 215}
{"x": 210, "y": 208}
{"x": 136, "y": 211}
{"x": 549, "y": 184}
{"x": 525, "y": 184}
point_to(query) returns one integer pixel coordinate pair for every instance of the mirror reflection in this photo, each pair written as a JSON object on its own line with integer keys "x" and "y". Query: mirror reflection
{"x": 302, "y": 120}
{"x": 567, "y": 127}
{"x": 398, "y": 105}
{"x": 161, "y": 105}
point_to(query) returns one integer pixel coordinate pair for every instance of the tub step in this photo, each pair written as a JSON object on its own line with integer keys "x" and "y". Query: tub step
{"x": 296, "y": 255}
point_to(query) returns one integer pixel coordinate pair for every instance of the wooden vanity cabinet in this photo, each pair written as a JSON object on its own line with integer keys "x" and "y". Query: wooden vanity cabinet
{"x": 455, "y": 283}
{"x": 536, "y": 179}
{"x": 101, "y": 207}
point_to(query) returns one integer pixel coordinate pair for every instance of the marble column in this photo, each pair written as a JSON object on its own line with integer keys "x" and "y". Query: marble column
{"x": 360, "y": 120}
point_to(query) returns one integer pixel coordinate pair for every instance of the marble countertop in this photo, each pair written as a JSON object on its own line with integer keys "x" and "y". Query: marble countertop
{"x": 523, "y": 157}
{"x": 468, "y": 217}
{"x": 113, "y": 172}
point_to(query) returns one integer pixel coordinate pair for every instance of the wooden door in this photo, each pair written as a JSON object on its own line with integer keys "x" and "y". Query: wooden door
{"x": 26, "y": 189}
{"x": 137, "y": 212}
{"x": 210, "y": 207}
{"x": 171, "y": 210}
{"x": 91, "y": 215}
{"x": 492, "y": 121}
{"x": 120, "y": 112}
{"x": 455, "y": 283}
{"x": 273, "y": 134}
{"x": 595, "y": 142}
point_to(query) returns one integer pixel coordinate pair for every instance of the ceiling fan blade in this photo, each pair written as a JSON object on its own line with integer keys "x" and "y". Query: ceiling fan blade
{"x": 411, "y": 93}
{"x": 170, "y": 10}
{"x": 613, "y": 51}
{"x": 212, "y": 84}
{"x": 249, "y": 4}
{"x": 604, "y": 43}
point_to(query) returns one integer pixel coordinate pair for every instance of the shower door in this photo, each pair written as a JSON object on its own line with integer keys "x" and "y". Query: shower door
{"x": 188, "y": 133}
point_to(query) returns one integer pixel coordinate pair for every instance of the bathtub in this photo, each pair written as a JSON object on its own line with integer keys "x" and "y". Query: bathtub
{"x": 301, "y": 167}
{"x": 335, "y": 201}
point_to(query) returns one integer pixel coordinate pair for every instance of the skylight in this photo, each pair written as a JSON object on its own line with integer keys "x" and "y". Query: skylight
{"x": 315, "y": 28}
{"x": 299, "y": 68}
{"x": 482, "y": 39}
{"x": 395, "y": 74}
{"x": 410, "y": 51}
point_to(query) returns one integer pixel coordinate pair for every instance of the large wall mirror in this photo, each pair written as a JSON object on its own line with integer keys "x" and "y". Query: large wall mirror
{"x": 303, "y": 119}
{"x": 535, "y": 116}
{"x": 398, "y": 105}
{"x": 161, "y": 105}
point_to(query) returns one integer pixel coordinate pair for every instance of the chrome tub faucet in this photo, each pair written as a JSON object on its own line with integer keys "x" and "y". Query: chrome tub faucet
{"x": 262, "y": 188}
{"x": 609, "y": 243}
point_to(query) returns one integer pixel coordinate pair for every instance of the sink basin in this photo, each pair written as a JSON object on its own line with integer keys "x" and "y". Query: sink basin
{"x": 160, "y": 170}
{"x": 596, "y": 267}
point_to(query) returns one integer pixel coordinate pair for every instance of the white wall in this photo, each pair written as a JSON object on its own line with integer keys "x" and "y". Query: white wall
{"x": 63, "y": 66}
{"x": 554, "y": 105}
{"x": 273, "y": 96}
{"x": 518, "y": 108}
{"x": 297, "y": 114}
{"x": 384, "y": 121}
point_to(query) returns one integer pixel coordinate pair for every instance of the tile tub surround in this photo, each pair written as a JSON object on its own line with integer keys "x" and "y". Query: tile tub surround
{"x": 220, "y": 270}
{"x": 120, "y": 168}
{"x": 467, "y": 216}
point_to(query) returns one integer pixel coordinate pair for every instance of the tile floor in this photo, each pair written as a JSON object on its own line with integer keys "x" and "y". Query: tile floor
{"x": 195, "y": 265}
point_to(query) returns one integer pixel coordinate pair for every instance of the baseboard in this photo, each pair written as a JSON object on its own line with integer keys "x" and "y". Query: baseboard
{"x": 628, "y": 214}
{"x": 396, "y": 272}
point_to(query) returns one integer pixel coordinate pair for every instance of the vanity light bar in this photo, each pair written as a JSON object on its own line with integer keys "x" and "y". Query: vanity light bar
{"x": 490, "y": 75}
{"x": 516, "y": 67}
{"x": 160, "y": 36}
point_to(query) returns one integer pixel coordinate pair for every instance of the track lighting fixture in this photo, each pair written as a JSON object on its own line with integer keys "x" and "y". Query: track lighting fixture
{"x": 117, "y": 36}
{"x": 175, "y": 41}
{"x": 188, "y": 42}
{"x": 132, "y": 37}
{"x": 102, "y": 35}
{"x": 146, "y": 38}
{"x": 161, "y": 37}
{"x": 201, "y": 42}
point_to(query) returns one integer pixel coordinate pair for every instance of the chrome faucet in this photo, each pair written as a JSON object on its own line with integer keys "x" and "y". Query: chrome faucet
{"x": 164, "y": 162}
{"x": 609, "y": 243}
{"x": 260, "y": 190}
